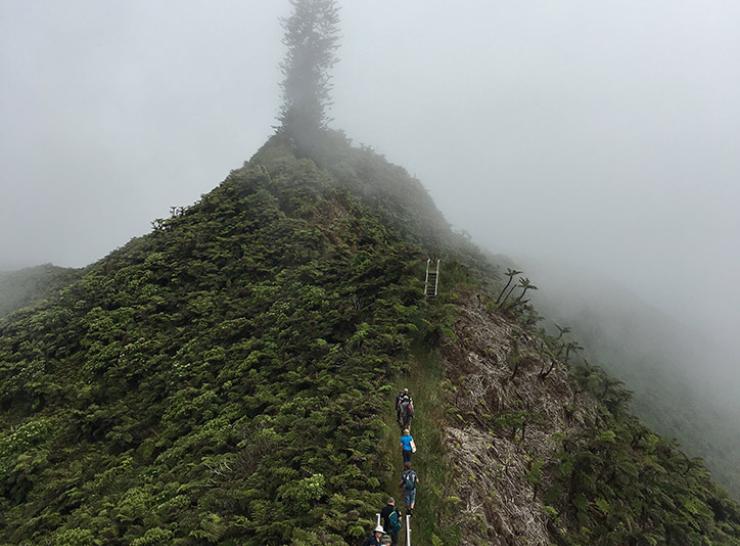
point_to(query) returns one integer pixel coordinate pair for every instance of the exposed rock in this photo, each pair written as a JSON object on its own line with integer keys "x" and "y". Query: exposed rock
{"x": 506, "y": 420}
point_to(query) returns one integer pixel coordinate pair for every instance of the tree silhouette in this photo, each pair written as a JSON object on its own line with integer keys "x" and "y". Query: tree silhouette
{"x": 571, "y": 347}
{"x": 556, "y": 348}
{"x": 581, "y": 375}
{"x": 311, "y": 35}
{"x": 525, "y": 284}
{"x": 562, "y": 330}
{"x": 511, "y": 273}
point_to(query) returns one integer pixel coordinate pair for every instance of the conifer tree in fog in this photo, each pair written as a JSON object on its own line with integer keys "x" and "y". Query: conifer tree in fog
{"x": 311, "y": 35}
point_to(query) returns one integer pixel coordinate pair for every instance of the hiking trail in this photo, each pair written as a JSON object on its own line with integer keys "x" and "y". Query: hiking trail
{"x": 423, "y": 378}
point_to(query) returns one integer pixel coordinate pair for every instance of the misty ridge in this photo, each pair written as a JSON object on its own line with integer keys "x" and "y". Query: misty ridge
{"x": 593, "y": 149}
{"x": 171, "y": 85}
{"x": 677, "y": 373}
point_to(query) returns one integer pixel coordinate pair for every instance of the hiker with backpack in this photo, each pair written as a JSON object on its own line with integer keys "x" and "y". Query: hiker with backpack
{"x": 401, "y": 396}
{"x": 407, "y": 413}
{"x": 391, "y": 520}
{"x": 409, "y": 481}
{"x": 376, "y": 539}
{"x": 404, "y": 409}
{"x": 407, "y": 445}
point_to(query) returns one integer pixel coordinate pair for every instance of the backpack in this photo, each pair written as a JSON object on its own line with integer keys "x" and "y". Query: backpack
{"x": 409, "y": 480}
{"x": 394, "y": 521}
{"x": 407, "y": 407}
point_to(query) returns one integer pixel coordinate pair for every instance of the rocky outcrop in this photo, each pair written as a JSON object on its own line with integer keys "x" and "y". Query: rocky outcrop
{"x": 506, "y": 422}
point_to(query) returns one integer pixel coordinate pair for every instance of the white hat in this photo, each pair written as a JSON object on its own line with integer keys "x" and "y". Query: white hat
{"x": 379, "y": 529}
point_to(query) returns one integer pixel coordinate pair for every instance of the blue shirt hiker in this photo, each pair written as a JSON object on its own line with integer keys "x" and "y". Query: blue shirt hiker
{"x": 407, "y": 445}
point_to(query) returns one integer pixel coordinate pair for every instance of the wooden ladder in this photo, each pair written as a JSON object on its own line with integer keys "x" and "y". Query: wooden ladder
{"x": 431, "y": 281}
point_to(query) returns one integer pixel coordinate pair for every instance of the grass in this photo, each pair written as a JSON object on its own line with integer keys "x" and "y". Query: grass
{"x": 423, "y": 379}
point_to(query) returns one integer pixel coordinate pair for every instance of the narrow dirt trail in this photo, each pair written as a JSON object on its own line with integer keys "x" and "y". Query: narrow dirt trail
{"x": 424, "y": 379}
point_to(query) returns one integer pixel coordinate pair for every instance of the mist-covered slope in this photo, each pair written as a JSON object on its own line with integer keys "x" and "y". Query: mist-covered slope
{"x": 27, "y": 286}
{"x": 678, "y": 387}
{"x": 546, "y": 452}
{"x": 226, "y": 380}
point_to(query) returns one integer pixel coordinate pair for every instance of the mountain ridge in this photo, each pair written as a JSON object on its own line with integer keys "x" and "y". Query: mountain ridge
{"x": 224, "y": 380}
{"x": 24, "y": 287}
{"x": 658, "y": 356}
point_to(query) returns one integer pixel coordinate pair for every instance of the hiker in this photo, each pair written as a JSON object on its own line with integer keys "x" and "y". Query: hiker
{"x": 376, "y": 538}
{"x": 391, "y": 520}
{"x": 407, "y": 413}
{"x": 404, "y": 408}
{"x": 409, "y": 481}
{"x": 401, "y": 395}
{"x": 407, "y": 445}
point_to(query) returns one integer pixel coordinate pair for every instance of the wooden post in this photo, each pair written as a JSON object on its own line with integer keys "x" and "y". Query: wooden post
{"x": 436, "y": 279}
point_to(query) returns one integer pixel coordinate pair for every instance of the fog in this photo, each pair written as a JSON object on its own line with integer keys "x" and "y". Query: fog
{"x": 597, "y": 137}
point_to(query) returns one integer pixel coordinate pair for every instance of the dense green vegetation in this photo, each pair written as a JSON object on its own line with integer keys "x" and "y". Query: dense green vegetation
{"x": 216, "y": 381}
{"x": 225, "y": 380}
{"x": 673, "y": 402}
{"x": 28, "y": 286}
{"x": 620, "y": 484}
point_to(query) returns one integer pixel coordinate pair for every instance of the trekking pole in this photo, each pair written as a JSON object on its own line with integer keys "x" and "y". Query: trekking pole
{"x": 408, "y": 530}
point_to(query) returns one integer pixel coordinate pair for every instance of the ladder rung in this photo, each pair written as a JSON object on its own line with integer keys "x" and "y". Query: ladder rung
{"x": 432, "y": 278}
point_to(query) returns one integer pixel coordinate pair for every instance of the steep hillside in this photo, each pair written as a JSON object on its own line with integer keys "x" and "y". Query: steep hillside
{"x": 27, "y": 286}
{"x": 547, "y": 453}
{"x": 216, "y": 379}
{"x": 226, "y": 378}
{"x": 678, "y": 388}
